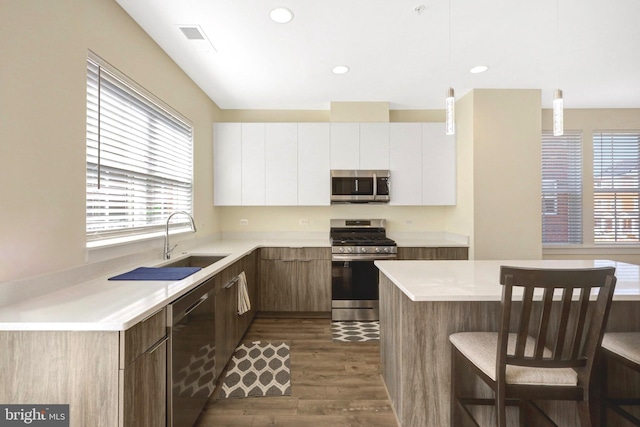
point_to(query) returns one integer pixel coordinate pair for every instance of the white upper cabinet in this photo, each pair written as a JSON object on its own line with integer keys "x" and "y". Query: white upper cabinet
{"x": 438, "y": 165}
{"x": 288, "y": 164}
{"x": 345, "y": 146}
{"x": 405, "y": 164}
{"x": 374, "y": 146}
{"x": 314, "y": 186}
{"x": 423, "y": 165}
{"x": 281, "y": 163}
{"x": 227, "y": 164}
{"x": 253, "y": 164}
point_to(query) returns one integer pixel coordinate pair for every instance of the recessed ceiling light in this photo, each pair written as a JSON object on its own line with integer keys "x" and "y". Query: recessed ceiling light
{"x": 281, "y": 15}
{"x": 478, "y": 69}
{"x": 340, "y": 69}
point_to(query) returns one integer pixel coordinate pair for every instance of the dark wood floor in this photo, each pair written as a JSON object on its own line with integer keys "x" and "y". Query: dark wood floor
{"x": 332, "y": 384}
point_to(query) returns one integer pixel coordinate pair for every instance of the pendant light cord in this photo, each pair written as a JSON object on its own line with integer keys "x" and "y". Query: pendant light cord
{"x": 558, "y": 43}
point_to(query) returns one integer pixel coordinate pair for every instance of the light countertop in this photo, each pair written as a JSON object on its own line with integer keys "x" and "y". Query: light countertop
{"x": 103, "y": 305}
{"x": 100, "y": 304}
{"x": 479, "y": 280}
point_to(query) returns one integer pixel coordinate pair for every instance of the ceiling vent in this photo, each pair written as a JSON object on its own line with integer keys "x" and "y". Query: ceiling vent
{"x": 195, "y": 35}
{"x": 192, "y": 32}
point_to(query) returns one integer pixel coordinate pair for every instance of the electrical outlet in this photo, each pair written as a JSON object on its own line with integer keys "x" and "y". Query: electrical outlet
{"x": 244, "y": 221}
{"x": 304, "y": 221}
{"x": 409, "y": 222}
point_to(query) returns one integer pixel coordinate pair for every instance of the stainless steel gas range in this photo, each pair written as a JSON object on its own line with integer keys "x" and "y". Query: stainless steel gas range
{"x": 355, "y": 245}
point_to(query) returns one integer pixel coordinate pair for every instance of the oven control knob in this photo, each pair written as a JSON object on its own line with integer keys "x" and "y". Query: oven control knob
{"x": 341, "y": 250}
{"x": 386, "y": 250}
{"x": 349, "y": 250}
{"x": 363, "y": 250}
{"x": 377, "y": 250}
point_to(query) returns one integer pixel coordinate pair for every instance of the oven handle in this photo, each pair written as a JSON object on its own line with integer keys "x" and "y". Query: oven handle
{"x": 365, "y": 257}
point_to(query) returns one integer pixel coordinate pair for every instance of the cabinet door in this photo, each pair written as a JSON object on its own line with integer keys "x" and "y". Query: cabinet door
{"x": 374, "y": 146}
{"x": 314, "y": 164}
{"x": 226, "y": 322}
{"x": 253, "y": 165}
{"x": 249, "y": 267}
{"x": 227, "y": 164}
{"x": 345, "y": 146}
{"x": 405, "y": 164}
{"x": 145, "y": 389}
{"x": 276, "y": 285}
{"x": 438, "y": 165}
{"x": 281, "y": 164}
{"x": 144, "y": 374}
{"x": 312, "y": 289}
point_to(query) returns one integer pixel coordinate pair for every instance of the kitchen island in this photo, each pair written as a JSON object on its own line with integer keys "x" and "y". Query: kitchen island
{"x": 423, "y": 302}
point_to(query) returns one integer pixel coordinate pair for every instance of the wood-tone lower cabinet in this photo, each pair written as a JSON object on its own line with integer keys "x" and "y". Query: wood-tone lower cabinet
{"x": 108, "y": 378}
{"x": 230, "y": 326}
{"x": 295, "y": 279}
{"x": 250, "y": 268}
{"x": 227, "y": 322}
{"x": 313, "y": 289}
{"x": 145, "y": 388}
{"x": 144, "y": 372}
{"x": 433, "y": 253}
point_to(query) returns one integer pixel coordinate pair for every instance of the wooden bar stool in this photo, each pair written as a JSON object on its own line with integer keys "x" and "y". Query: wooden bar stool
{"x": 623, "y": 348}
{"x": 543, "y": 350}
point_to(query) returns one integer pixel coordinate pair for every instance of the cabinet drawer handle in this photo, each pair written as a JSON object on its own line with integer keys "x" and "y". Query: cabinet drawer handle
{"x": 305, "y": 260}
{"x": 288, "y": 260}
{"x": 151, "y": 315}
{"x": 157, "y": 345}
{"x": 231, "y": 282}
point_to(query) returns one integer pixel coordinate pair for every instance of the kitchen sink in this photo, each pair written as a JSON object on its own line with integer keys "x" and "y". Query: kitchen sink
{"x": 194, "y": 261}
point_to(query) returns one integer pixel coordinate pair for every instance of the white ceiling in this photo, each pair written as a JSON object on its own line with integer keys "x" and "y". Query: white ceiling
{"x": 399, "y": 56}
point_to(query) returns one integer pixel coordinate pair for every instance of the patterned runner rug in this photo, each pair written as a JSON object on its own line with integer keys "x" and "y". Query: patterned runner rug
{"x": 258, "y": 369}
{"x": 357, "y": 331}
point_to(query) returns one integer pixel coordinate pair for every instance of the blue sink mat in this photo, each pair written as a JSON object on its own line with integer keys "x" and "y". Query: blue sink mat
{"x": 157, "y": 273}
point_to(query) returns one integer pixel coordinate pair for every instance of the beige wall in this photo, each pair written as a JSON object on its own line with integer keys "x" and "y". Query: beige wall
{"x": 506, "y": 174}
{"x": 460, "y": 218}
{"x": 44, "y": 47}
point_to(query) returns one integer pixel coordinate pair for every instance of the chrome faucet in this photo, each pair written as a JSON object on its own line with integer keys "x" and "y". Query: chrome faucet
{"x": 167, "y": 249}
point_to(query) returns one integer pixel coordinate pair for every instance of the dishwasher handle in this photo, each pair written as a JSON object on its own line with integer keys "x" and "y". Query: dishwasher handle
{"x": 195, "y": 305}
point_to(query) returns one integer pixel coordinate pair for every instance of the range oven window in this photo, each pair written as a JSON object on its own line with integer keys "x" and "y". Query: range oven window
{"x": 354, "y": 280}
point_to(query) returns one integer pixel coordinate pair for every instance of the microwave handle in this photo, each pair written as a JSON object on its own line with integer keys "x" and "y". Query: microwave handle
{"x": 375, "y": 185}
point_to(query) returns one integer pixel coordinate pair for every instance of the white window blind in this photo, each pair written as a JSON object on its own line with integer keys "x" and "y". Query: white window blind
{"x": 616, "y": 186}
{"x": 562, "y": 188}
{"x": 139, "y": 157}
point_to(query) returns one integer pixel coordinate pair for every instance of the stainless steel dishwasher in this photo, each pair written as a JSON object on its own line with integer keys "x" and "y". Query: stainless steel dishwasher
{"x": 191, "y": 354}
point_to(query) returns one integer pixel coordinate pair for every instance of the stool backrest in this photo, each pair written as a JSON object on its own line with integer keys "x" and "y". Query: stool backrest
{"x": 567, "y": 331}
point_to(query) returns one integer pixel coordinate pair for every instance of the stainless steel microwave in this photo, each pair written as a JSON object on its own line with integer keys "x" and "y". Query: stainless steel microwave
{"x": 359, "y": 186}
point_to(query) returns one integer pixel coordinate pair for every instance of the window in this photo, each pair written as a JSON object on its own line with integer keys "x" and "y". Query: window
{"x": 562, "y": 188}
{"x": 139, "y": 158}
{"x": 616, "y": 187}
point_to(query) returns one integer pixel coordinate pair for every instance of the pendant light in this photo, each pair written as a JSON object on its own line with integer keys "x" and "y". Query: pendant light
{"x": 558, "y": 114}
{"x": 558, "y": 103}
{"x": 450, "y": 112}
{"x": 450, "y": 101}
